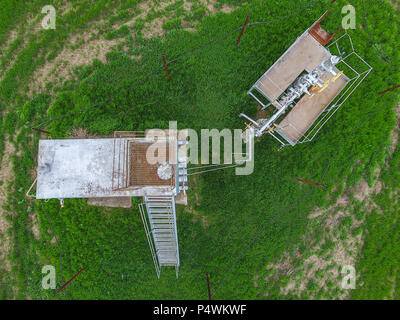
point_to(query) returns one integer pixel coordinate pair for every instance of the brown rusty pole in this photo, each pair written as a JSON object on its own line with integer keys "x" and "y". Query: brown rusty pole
{"x": 41, "y": 130}
{"x": 208, "y": 287}
{"x": 69, "y": 281}
{"x": 165, "y": 66}
{"x": 398, "y": 86}
{"x": 311, "y": 182}
{"x": 244, "y": 26}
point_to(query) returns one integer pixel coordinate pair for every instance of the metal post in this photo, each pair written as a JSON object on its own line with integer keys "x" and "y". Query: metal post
{"x": 165, "y": 66}
{"x": 244, "y": 26}
{"x": 398, "y": 86}
{"x": 41, "y": 130}
{"x": 69, "y": 281}
{"x": 311, "y": 182}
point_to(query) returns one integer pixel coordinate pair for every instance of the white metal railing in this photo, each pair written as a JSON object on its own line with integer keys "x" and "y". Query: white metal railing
{"x": 163, "y": 233}
{"x": 150, "y": 240}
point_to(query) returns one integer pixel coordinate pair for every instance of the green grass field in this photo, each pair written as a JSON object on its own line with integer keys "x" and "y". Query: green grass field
{"x": 268, "y": 209}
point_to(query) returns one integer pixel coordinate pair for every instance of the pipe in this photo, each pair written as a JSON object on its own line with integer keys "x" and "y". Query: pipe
{"x": 251, "y": 120}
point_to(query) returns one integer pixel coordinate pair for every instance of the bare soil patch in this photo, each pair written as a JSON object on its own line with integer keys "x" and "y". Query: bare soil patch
{"x": 198, "y": 217}
{"x": 34, "y": 221}
{"x": 325, "y": 257}
{"x": 61, "y": 67}
{"x": 395, "y": 132}
{"x": 211, "y": 7}
{"x": 113, "y": 202}
{"x": 6, "y": 175}
{"x": 154, "y": 28}
{"x": 362, "y": 191}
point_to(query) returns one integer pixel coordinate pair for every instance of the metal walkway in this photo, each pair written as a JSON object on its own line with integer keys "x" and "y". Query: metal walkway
{"x": 161, "y": 231}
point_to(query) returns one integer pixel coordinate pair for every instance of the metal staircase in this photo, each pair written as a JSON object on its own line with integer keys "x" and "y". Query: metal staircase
{"x": 161, "y": 231}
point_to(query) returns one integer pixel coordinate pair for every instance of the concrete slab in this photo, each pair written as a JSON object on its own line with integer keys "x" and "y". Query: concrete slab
{"x": 181, "y": 198}
{"x": 113, "y": 202}
{"x": 306, "y": 53}
{"x": 308, "y": 109}
{"x": 81, "y": 168}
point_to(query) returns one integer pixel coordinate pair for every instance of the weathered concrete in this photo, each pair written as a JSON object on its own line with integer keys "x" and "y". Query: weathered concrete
{"x": 308, "y": 109}
{"x": 81, "y": 168}
{"x": 113, "y": 202}
{"x": 305, "y": 54}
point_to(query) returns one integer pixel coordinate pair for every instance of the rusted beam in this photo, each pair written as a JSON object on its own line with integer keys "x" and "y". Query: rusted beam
{"x": 398, "y": 86}
{"x": 311, "y": 182}
{"x": 165, "y": 66}
{"x": 69, "y": 281}
{"x": 208, "y": 287}
{"x": 41, "y": 130}
{"x": 241, "y": 32}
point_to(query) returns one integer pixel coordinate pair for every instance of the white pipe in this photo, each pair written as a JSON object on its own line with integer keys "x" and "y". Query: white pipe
{"x": 251, "y": 120}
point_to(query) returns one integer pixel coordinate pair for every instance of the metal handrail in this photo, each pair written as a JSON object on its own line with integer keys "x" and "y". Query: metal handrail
{"x": 150, "y": 241}
{"x": 30, "y": 188}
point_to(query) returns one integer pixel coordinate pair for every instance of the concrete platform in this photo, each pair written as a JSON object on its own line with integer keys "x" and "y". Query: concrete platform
{"x": 306, "y": 53}
{"x": 308, "y": 109}
{"x": 81, "y": 168}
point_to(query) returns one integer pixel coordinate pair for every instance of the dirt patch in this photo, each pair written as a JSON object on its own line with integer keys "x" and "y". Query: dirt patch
{"x": 198, "y": 217}
{"x": 82, "y": 49}
{"x": 395, "y": 132}
{"x": 343, "y": 200}
{"x": 113, "y": 202}
{"x": 395, "y": 3}
{"x": 34, "y": 222}
{"x": 10, "y": 39}
{"x": 6, "y": 175}
{"x": 211, "y": 6}
{"x": 9, "y": 64}
{"x": 154, "y": 28}
{"x": 362, "y": 191}
{"x": 331, "y": 244}
{"x": 79, "y": 133}
{"x": 187, "y": 5}
{"x": 60, "y": 68}
{"x": 261, "y": 114}
{"x": 316, "y": 213}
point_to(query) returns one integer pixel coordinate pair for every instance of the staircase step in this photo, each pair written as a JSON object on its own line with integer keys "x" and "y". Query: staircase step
{"x": 163, "y": 220}
{"x": 158, "y": 210}
{"x": 159, "y": 204}
{"x": 162, "y": 231}
{"x": 163, "y": 225}
{"x": 159, "y": 198}
{"x": 166, "y": 241}
{"x": 161, "y": 216}
{"x": 169, "y": 249}
{"x": 170, "y": 255}
{"x": 166, "y": 244}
